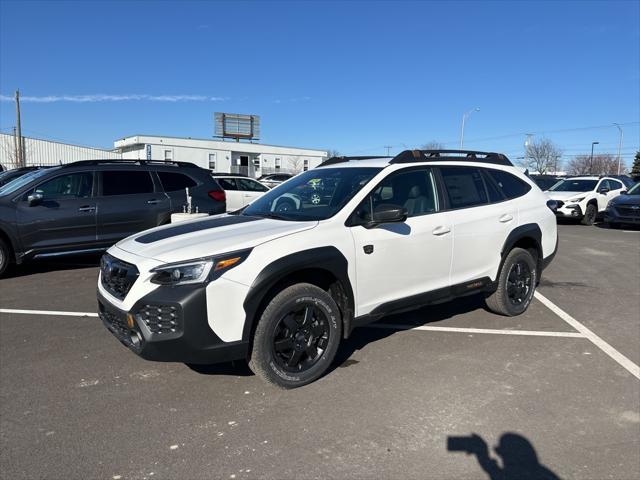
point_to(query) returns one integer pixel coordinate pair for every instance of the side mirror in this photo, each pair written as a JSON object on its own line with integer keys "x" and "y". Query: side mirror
{"x": 623, "y": 192}
{"x": 35, "y": 199}
{"x": 388, "y": 214}
{"x": 603, "y": 190}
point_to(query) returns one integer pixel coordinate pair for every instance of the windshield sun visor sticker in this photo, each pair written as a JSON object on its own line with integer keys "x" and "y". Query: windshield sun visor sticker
{"x": 184, "y": 228}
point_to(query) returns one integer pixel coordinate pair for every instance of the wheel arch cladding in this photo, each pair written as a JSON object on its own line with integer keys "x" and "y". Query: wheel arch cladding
{"x": 527, "y": 236}
{"x": 325, "y": 267}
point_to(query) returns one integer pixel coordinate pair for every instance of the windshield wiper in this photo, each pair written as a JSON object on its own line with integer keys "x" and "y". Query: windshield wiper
{"x": 271, "y": 215}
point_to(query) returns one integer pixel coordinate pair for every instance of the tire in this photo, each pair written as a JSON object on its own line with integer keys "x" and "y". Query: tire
{"x": 514, "y": 292}
{"x": 5, "y": 257}
{"x": 590, "y": 215}
{"x": 300, "y": 321}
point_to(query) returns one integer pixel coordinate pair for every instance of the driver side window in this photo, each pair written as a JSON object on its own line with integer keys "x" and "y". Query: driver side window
{"x": 414, "y": 190}
{"x": 74, "y": 185}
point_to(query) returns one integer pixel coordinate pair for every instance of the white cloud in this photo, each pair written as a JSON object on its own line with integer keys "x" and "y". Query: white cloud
{"x": 113, "y": 98}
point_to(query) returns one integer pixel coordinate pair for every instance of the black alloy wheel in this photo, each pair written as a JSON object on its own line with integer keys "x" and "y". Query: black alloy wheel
{"x": 519, "y": 283}
{"x": 300, "y": 338}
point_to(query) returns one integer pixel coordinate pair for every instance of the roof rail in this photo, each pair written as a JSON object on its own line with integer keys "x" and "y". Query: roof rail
{"x": 128, "y": 162}
{"x": 411, "y": 156}
{"x": 334, "y": 160}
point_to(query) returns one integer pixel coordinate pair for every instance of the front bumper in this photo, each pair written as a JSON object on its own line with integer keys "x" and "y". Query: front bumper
{"x": 571, "y": 211}
{"x": 170, "y": 325}
{"x": 622, "y": 214}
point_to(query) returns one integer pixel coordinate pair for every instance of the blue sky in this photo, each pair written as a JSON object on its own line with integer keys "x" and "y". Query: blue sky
{"x": 351, "y": 76}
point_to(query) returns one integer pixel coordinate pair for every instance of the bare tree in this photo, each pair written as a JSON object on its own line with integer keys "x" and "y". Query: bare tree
{"x": 333, "y": 153}
{"x": 8, "y": 151}
{"x": 542, "y": 156}
{"x": 433, "y": 145}
{"x": 602, "y": 164}
{"x": 295, "y": 164}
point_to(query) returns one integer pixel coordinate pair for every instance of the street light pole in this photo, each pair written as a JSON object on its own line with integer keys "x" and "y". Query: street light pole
{"x": 464, "y": 119}
{"x": 619, "y": 145}
{"x": 591, "y": 161}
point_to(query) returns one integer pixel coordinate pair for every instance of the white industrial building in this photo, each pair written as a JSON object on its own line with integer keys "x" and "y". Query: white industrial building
{"x": 252, "y": 159}
{"x": 46, "y": 152}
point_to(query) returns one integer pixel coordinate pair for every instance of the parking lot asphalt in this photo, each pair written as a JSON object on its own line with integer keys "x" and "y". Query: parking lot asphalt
{"x": 74, "y": 403}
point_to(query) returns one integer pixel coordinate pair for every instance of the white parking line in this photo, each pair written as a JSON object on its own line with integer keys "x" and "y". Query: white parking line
{"x": 493, "y": 331}
{"x": 48, "y": 312}
{"x": 595, "y": 339}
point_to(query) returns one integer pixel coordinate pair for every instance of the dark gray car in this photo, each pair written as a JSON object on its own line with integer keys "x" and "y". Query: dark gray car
{"x": 90, "y": 205}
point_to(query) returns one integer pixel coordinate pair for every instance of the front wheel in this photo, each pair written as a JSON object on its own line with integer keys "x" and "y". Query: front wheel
{"x": 297, "y": 336}
{"x": 516, "y": 284}
{"x": 5, "y": 257}
{"x": 590, "y": 215}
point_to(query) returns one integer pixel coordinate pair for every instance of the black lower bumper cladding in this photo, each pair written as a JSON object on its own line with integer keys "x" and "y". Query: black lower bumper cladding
{"x": 170, "y": 325}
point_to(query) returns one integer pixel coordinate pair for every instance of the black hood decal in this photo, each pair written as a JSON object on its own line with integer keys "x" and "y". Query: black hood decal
{"x": 182, "y": 229}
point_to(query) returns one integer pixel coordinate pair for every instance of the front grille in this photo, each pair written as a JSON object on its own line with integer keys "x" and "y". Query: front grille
{"x": 628, "y": 210}
{"x": 117, "y": 276}
{"x": 160, "y": 319}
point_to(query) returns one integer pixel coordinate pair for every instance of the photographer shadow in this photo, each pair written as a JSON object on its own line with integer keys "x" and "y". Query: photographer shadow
{"x": 519, "y": 458}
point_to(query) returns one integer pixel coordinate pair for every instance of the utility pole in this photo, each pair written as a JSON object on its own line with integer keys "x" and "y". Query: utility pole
{"x": 15, "y": 149}
{"x": 591, "y": 161}
{"x": 21, "y": 159}
{"x": 619, "y": 145}
{"x": 464, "y": 119}
{"x": 388, "y": 147}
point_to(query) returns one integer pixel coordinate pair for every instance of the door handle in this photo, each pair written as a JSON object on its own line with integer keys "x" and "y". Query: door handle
{"x": 441, "y": 230}
{"x": 153, "y": 202}
{"x": 505, "y": 218}
{"x": 87, "y": 208}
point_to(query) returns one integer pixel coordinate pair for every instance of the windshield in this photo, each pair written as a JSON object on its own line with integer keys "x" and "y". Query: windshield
{"x": 22, "y": 180}
{"x": 313, "y": 195}
{"x": 635, "y": 190}
{"x": 573, "y": 185}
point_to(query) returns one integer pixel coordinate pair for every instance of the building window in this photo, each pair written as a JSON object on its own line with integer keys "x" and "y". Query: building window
{"x": 167, "y": 156}
{"x": 305, "y": 166}
{"x": 277, "y": 164}
{"x": 212, "y": 161}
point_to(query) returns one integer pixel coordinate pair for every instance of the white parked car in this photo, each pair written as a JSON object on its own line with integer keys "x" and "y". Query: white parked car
{"x": 281, "y": 289}
{"x": 240, "y": 191}
{"x": 583, "y": 198}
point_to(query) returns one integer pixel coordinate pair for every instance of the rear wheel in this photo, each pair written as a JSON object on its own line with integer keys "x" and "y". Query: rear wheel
{"x": 590, "y": 215}
{"x": 297, "y": 336}
{"x": 285, "y": 205}
{"x": 516, "y": 284}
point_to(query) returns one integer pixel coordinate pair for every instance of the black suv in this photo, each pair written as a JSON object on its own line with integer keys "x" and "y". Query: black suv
{"x": 90, "y": 205}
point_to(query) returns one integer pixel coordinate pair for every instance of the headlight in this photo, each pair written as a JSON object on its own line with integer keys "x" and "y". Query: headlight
{"x": 575, "y": 200}
{"x": 197, "y": 271}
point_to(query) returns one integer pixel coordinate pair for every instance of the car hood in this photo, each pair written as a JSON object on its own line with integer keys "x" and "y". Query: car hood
{"x": 626, "y": 200}
{"x": 564, "y": 195}
{"x": 208, "y": 236}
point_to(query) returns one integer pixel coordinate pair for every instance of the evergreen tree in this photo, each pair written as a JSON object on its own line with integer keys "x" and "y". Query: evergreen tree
{"x": 635, "y": 169}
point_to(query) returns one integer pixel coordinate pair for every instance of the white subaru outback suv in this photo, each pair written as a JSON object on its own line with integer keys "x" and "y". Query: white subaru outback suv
{"x": 282, "y": 288}
{"x": 583, "y": 198}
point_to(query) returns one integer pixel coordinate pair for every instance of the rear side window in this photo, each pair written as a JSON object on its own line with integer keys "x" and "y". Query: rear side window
{"x": 511, "y": 186}
{"x": 127, "y": 182}
{"x": 251, "y": 185}
{"x": 227, "y": 183}
{"x": 465, "y": 187}
{"x": 173, "y": 182}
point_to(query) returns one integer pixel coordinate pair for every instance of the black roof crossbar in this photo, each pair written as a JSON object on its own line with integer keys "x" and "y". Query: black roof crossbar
{"x": 129, "y": 162}
{"x": 334, "y": 160}
{"x": 411, "y": 156}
